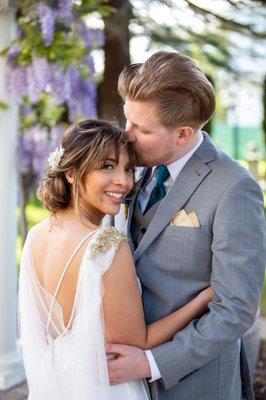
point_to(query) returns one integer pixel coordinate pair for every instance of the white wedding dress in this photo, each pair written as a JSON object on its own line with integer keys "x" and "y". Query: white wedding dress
{"x": 69, "y": 362}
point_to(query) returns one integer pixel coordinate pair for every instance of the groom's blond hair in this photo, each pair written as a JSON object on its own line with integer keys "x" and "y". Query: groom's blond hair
{"x": 183, "y": 93}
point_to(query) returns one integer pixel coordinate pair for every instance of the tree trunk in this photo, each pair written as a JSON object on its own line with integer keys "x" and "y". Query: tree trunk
{"x": 116, "y": 51}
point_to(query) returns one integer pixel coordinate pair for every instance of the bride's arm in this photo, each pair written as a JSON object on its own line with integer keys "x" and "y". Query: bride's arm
{"x": 123, "y": 310}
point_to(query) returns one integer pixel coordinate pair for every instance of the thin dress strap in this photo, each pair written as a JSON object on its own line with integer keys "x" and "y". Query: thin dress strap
{"x": 61, "y": 280}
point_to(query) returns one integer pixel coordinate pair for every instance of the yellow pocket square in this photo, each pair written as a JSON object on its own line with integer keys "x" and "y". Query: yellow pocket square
{"x": 185, "y": 220}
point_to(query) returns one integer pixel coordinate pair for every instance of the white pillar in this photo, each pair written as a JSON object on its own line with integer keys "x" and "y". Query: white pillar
{"x": 11, "y": 368}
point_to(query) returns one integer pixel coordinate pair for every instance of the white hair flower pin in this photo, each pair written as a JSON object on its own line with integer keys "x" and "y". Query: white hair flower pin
{"x": 55, "y": 157}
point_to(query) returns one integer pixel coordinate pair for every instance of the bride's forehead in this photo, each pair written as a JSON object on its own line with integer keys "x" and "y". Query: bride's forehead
{"x": 118, "y": 154}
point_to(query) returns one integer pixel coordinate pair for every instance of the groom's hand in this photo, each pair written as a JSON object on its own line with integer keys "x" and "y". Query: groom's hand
{"x": 131, "y": 363}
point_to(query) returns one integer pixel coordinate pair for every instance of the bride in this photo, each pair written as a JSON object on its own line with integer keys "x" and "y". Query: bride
{"x": 78, "y": 287}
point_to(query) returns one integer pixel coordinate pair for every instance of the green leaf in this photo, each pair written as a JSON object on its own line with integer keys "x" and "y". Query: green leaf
{"x": 3, "y": 106}
{"x": 49, "y": 113}
{"x": 3, "y": 52}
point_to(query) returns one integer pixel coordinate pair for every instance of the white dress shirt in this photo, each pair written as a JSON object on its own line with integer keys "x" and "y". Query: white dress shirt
{"x": 143, "y": 198}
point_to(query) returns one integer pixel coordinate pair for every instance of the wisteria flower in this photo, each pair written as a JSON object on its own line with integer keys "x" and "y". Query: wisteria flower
{"x": 41, "y": 70}
{"x": 34, "y": 90}
{"x": 72, "y": 78}
{"x": 47, "y": 18}
{"x": 58, "y": 85}
{"x": 89, "y": 62}
{"x": 33, "y": 149}
{"x": 64, "y": 11}
{"x": 13, "y": 51}
{"x": 56, "y": 134}
{"x": 98, "y": 38}
{"x": 17, "y": 82}
{"x": 84, "y": 33}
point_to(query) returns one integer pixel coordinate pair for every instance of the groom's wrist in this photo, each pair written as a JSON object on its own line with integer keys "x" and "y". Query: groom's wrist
{"x": 154, "y": 370}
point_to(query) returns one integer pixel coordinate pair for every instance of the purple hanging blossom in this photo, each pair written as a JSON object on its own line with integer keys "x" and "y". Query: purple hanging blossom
{"x": 34, "y": 90}
{"x": 26, "y": 110}
{"x": 71, "y": 109}
{"x": 64, "y": 11}
{"x": 47, "y": 18}
{"x": 72, "y": 78}
{"x": 65, "y": 5}
{"x": 97, "y": 37}
{"x": 56, "y": 134}
{"x": 13, "y": 51}
{"x": 75, "y": 92}
{"x": 41, "y": 70}
{"x": 25, "y": 150}
{"x": 87, "y": 106}
{"x": 82, "y": 103}
{"x": 57, "y": 84}
{"x": 33, "y": 150}
{"x": 85, "y": 34}
{"x": 89, "y": 62}
{"x": 89, "y": 88}
{"x": 41, "y": 151}
{"x": 89, "y": 98}
{"x": 92, "y": 38}
{"x": 17, "y": 82}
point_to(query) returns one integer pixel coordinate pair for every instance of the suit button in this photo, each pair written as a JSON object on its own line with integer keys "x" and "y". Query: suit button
{"x": 143, "y": 230}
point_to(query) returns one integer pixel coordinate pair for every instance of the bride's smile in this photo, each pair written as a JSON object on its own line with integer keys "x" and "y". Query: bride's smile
{"x": 106, "y": 186}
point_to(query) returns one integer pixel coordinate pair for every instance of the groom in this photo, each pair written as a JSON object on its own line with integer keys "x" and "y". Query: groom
{"x": 196, "y": 220}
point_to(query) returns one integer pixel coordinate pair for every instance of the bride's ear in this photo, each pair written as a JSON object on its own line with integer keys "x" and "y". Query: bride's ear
{"x": 70, "y": 175}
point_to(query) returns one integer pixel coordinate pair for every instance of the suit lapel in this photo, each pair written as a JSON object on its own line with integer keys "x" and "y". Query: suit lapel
{"x": 190, "y": 177}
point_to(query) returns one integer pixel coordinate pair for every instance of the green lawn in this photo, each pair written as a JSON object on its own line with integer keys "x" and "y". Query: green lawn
{"x": 35, "y": 213}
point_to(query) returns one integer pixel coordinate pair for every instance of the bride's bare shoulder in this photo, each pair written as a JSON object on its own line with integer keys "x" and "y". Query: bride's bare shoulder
{"x": 57, "y": 233}
{"x": 40, "y": 228}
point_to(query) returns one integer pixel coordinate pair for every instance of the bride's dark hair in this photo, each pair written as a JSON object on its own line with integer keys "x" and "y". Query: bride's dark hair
{"x": 86, "y": 146}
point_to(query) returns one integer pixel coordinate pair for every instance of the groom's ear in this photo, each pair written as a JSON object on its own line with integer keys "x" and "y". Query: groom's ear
{"x": 184, "y": 135}
{"x": 70, "y": 175}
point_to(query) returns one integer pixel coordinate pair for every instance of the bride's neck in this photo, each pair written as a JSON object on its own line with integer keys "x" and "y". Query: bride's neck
{"x": 69, "y": 216}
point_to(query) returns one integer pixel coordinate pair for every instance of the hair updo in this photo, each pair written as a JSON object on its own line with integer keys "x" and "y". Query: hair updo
{"x": 86, "y": 146}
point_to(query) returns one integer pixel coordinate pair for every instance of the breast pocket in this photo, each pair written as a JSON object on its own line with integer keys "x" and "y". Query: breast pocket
{"x": 188, "y": 249}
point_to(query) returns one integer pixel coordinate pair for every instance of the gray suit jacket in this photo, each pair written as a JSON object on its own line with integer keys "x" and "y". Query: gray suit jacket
{"x": 203, "y": 361}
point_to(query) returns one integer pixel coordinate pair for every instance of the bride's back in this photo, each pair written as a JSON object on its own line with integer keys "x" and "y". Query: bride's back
{"x": 51, "y": 250}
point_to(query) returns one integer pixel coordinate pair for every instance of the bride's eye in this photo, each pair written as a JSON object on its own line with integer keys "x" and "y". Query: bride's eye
{"x": 108, "y": 166}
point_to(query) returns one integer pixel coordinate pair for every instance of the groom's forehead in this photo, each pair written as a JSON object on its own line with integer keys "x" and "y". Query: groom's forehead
{"x": 138, "y": 112}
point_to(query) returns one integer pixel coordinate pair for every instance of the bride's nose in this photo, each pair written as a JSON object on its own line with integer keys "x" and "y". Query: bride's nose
{"x": 121, "y": 179}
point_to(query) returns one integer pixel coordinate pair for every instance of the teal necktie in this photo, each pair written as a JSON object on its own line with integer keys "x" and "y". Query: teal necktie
{"x": 158, "y": 193}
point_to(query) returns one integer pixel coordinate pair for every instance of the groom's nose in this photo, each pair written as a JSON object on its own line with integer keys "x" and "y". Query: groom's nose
{"x": 130, "y": 131}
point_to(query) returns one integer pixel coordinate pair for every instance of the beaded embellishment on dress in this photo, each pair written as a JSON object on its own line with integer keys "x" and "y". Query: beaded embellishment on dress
{"x": 106, "y": 239}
